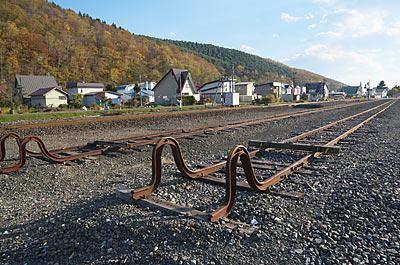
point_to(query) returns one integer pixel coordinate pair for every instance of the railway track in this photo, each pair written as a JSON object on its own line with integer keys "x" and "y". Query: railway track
{"x": 102, "y": 147}
{"x": 122, "y": 117}
{"x": 315, "y": 142}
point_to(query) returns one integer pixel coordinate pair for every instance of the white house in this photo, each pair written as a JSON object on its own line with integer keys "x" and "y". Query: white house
{"x": 380, "y": 93}
{"x": 96, "y": 98}
{"x": 246, "y": 91}
{"x": 84, "y": 88}
{"x": 127, "y": 92}
{"x": 317, "y": 91}
{"x": 174, "y": 83}
{"x": 48, "y": 97}
{"x": 125, "y": 89}
{"x": 216, "y": 89}
{"x": 27, "y": 84}
{"x": 288, "y": 92}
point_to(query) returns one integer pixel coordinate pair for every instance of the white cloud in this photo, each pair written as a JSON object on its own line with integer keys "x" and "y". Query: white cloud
{"x": 345, "y": 65}
{"x": 288, "y": 18}
{"x": 355, "y": 23}
{"x": 330, "y": 34}
{"x": 248, "y": 48}
{"x": 172, "y": 34}
{"x": 324, "y": 1}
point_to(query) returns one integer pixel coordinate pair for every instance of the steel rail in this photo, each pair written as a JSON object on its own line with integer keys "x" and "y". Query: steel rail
{"x": 101, "y": 150}
{"x": 127, "y": 117}
{"x": 180, "y": 133}
{"x": 240, "y": 152}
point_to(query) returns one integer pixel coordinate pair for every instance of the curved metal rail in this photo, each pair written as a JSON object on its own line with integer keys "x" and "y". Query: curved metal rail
{"x": 238, "y": 153}
{"x": 23, "y": 152}
{"x": 136, "y": 141}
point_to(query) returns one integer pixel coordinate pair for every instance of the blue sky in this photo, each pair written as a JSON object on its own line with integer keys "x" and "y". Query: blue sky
{"x": 351, "y": 41}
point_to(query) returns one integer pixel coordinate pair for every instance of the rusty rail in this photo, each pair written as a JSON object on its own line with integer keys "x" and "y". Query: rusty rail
{"x": 239, "y": 153}
{"x": 135, "y": 141}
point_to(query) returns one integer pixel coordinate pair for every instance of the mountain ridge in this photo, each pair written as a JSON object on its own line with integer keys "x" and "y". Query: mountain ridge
{"x": 40, "y": 38}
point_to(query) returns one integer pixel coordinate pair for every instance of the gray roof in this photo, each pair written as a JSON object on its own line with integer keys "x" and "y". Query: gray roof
{"x": 350, "y": 90}
{"x": 30, "y": 83}
{"x": 44, "y": 91}
{"x": 380, "y": 90}
{"x": 85, "y": 85}
{"x": 315, "y": 88}
{"x": 178, "y": 74}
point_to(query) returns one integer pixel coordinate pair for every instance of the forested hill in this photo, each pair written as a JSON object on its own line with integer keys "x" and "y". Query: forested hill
{"x": 248, "y": 67}
{"x": 40, "y": 38}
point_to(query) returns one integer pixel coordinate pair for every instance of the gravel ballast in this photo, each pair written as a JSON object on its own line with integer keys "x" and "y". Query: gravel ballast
{"x": 68, "y": 213}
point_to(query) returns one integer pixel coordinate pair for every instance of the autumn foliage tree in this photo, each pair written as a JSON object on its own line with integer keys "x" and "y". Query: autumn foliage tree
{"x": 40, "y": 38}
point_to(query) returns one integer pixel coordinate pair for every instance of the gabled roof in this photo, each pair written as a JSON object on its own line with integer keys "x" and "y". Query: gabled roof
{"x": 216, "y": 82}
{"x": 180, "y": 76}
{"x": 30, "y": 83}
{"x": 317, "y": 87}
{"x": 244, "y": 83}
{"x": 101, "y": 93}
{"x": 85, "y": 85}
{"x": 44, "y": 91}
{"x": 380, "y": 90}
{"x": 350, "y": 90}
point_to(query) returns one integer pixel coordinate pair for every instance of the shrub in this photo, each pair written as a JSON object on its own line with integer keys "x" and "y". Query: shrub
{"x": 188, "y": 100}
{"x": 63, "y": 106}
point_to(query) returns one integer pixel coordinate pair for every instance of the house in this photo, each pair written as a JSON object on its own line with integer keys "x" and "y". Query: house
{"x": 353, "y": 91}
{"x": 48, "y": 97}
{"x": 288, "y": 92}
{"x": 246, "y": 91}
{"x": 172, "y": 84}
{"x": 380, "y": 93}
{"x": 127, "y": 92}
{"x": 27, "y": 84}
{"x": 147, "y": 95}
{"x": 272, "y": 88}
{"x": 83, "y": 88}
{"x": 317, "y": 91}
{"x": 337, "y": 94}
{"x": 216, "y": 89}
{"x": 125, "y": 89}
{"x": 96, "y": 98}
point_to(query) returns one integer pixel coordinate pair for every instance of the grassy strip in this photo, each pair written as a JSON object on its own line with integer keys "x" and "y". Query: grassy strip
{"x": 75, "y": 114}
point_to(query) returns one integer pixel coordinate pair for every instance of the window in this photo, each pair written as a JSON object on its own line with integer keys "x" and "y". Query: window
{"x": 62, "y": 97}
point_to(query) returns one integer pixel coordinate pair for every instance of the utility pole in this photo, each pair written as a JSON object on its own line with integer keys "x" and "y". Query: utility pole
{"x": 233, "y": 74}
{"x": 140, "y": 81}
{"x": 180, "y": 87}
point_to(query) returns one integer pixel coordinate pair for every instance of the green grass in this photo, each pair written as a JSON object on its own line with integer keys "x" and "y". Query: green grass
{"x": 75, "y": 114}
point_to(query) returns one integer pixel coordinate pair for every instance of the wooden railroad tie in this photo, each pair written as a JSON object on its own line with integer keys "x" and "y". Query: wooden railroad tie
{"x": 325, "y": 149}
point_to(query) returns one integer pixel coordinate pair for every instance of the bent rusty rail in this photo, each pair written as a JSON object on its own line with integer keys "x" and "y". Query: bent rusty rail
{"x": 180, "y": 163}
{"x": 240, "y": 152}
{"x": 136, "y": 141}
{"x": 46, "y": 153}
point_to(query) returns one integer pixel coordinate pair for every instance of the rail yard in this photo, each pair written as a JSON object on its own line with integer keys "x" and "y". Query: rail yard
{"x": 296, "y": 184}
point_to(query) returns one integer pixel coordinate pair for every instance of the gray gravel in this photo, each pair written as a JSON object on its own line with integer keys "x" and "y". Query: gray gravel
{"x": 68, "y": 213}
